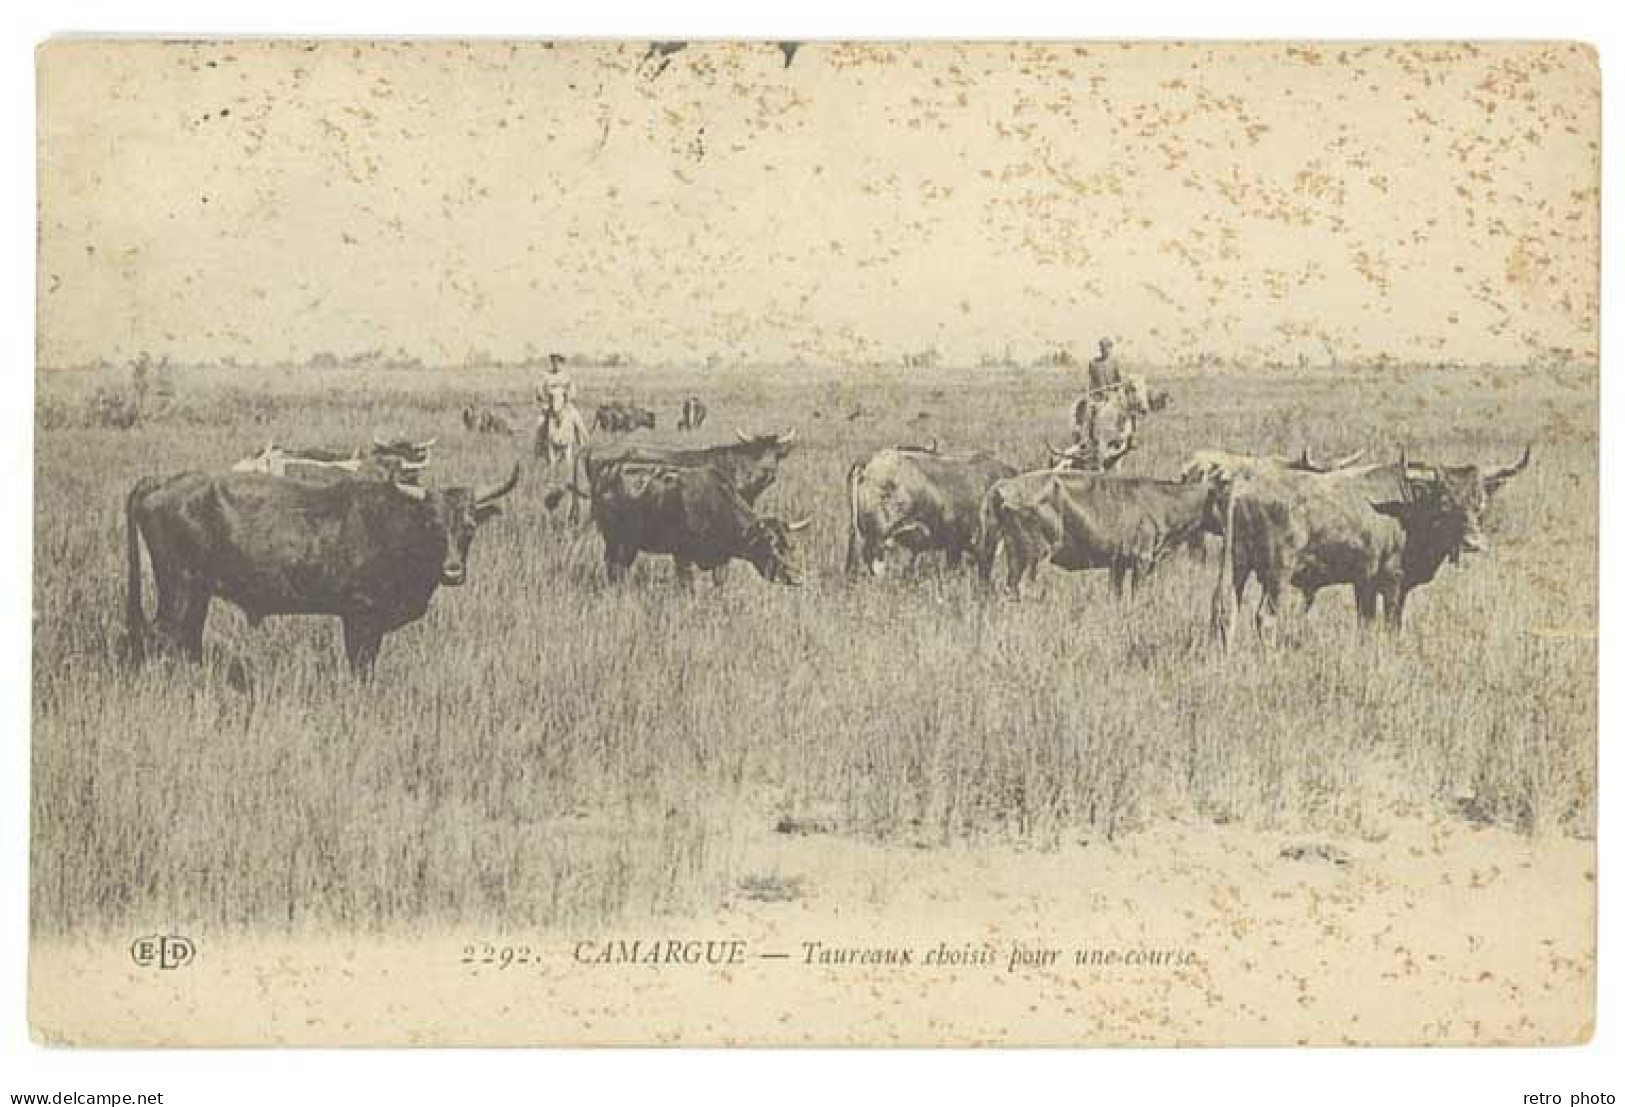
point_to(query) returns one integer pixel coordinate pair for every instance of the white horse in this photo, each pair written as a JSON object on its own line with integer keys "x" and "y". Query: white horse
{"x": 561, "y": 432}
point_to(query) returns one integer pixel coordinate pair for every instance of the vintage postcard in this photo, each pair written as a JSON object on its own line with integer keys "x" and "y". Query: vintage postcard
{"x": 815, "y": 543}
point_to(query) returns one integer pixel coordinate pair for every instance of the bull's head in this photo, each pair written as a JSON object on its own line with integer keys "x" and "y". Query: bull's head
{"x": 769, "y": 547}
{"x": 776, "y": 444}
{"x": 457, "y": 514}
{"x": 1443, "y": 510}
{"x": 757, "y": 466}
{"x": 1459, "y": 496}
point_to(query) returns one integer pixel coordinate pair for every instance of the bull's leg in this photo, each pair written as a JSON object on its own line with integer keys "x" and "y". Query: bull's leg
{"x": 1309, "y": 595}
{"x": 685, "y": 572}
{"x": 183, "y": 608}
{"x": 1024, "y": 557}
{"x": 1365, "y": 602}
{"x": 1221, "y": 612}
{"x": 857, "y": 554}
{"x": 1394, "y": 602}
{"x": 191, "y": 624}
{"x": 1015, "y": 565}
{"x": 987, "y": 553}
{"x": 1226, "y": 609}
{"x": 1138, "y": 569}
{"x": 1034, "y": 560}
{"x": 1119, "y": 571}
{"x": 1269, "y": 605}
{"x": 911, "y": 571}
{"x": 615, "y": 563}
{"x": 361, "y": 640}
{"x": 954, "y": 557}
{"x": 719, "y": 575}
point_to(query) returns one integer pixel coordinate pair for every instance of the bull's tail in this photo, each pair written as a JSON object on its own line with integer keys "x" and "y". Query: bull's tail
{"x": 1225, "y": 600}
{"x": 135, "y": 621}
{"x": 855, "y": 545}
{"x": 990, "y": 531}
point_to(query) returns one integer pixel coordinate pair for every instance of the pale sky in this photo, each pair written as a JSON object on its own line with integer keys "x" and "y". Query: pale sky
{"x": 263, "y": 201}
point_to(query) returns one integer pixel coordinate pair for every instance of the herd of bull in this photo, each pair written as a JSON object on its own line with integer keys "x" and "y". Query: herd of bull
{"x": 1384, "y": 529}
{"x": 356, "y": 536}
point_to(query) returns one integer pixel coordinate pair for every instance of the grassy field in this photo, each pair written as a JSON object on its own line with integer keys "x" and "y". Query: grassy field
{"x": 544, "y": 751}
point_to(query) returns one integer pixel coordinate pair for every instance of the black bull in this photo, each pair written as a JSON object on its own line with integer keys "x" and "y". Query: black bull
{"x": 918, "y": 500}
{"x": 371, "y": 553}
{"x": 751, "y": 465}
{"x": 692, "y": 513}
{"x": 1385, "y": 530}
{"x": 1079, "y": 520}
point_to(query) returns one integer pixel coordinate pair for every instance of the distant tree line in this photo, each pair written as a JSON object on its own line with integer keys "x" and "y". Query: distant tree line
{"x": 1059, "y": 357}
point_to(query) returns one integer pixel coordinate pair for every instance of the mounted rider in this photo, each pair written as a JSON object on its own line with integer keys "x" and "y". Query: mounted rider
{"x": 1105, "y": 418}
{"x": 560, "y": 421}
{"x": 1105, "y": 382}
{"x": 1104, "y": 373}
{"x": 555, "y": 391}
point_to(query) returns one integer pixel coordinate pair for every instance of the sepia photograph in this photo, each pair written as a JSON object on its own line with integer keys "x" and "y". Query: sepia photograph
{"x": 815, "y": 543}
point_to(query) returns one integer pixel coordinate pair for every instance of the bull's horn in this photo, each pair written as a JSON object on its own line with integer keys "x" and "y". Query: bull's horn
{"x": 495, "y": 492}
{"x": 1501, "y": 476}
{"x": 743, "y": 437}
{"x": 413, "y": 465}
{"x": 800, "y": 524}
{"x": 1348, "y": 459}
{"x": 412, "y": 490}
{"x": 379, "y": 442}
{"x": 787, "y": 437}
{"x": 426, "y": 445}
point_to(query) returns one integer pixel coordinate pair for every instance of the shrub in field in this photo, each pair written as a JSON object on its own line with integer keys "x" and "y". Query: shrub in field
{"x": 53, "y": 414}
{"x": 113, "y": 408}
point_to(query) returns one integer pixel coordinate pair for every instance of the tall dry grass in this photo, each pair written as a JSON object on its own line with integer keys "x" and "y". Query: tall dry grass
{"x": 542, "y": 750}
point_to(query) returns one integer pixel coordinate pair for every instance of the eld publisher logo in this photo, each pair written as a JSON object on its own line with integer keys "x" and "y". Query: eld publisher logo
{"x": 167, "y": 951}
